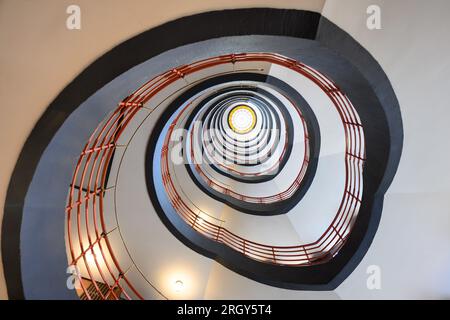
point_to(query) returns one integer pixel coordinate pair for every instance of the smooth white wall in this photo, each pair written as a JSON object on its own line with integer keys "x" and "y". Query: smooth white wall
{"x": 412, "y": 245}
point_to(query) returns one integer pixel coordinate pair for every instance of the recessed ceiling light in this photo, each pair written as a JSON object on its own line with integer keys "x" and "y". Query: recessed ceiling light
{"x": 242, "y": 119}
{"x": 179, "y": 285}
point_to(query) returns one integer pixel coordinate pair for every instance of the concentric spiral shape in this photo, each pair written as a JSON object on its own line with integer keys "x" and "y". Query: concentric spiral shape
{"x": 234, "y": 142}
{"x": 218, "y": 156}
{"x": 214, "y": 149}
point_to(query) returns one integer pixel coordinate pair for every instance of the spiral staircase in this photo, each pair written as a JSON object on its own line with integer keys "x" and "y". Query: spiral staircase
{"x": 251, "y": 159}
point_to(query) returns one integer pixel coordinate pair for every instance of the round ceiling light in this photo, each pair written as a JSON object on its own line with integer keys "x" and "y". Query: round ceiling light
{"x": 242, "y": 119}
{"x": 179, "y": 285}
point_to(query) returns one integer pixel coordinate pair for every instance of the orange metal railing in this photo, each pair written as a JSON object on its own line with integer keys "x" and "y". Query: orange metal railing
{"x": 88, "y": 236}
{"x": 335, "y": 235}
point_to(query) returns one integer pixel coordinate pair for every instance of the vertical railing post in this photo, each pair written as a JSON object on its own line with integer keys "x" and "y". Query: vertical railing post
{"x": 307, "y": 257}
{"x": 218, "y": 233}
{"x": 274, "y": 257}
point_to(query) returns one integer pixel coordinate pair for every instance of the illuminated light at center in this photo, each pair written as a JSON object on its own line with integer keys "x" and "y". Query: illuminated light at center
{"x": 242, "y": 119}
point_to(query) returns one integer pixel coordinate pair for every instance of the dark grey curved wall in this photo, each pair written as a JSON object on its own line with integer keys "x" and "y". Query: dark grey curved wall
{"x": 112, "y": 64}
{"x": 338, "y": 40}
{"x": 37, "y": 269}
{"x": 329, "y": 275}
{"x": 43, "y": 270}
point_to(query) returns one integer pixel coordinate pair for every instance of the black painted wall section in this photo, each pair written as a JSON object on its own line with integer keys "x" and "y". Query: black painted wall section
{"x": 300, "y": 24}
{"x": 277, "y": 208}
{"x": 340, "y": 41}
{"x": 138, "y": 49}
{"x": 383, "y": 160}
{"x": 329, "y": 274}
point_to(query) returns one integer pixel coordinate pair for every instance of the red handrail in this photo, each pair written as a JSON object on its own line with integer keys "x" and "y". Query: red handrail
{"x": 228, "y": 191}
{"x": 87, "y": 233}
{"x": 334, "y": 236}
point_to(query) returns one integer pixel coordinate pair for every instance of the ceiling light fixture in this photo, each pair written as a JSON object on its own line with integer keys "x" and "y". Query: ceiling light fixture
{"x": 179, "y": 285}
{"x": 242, "y": 119}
